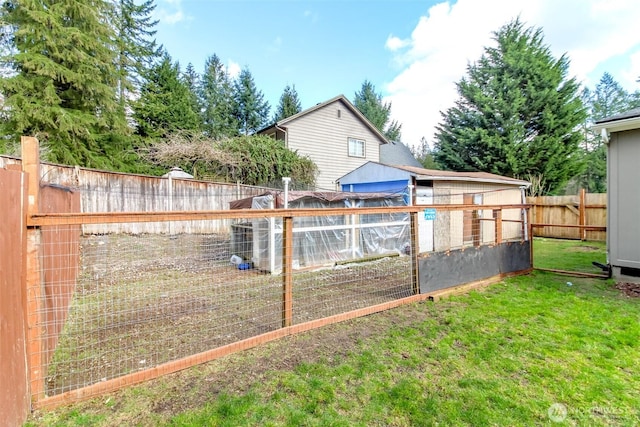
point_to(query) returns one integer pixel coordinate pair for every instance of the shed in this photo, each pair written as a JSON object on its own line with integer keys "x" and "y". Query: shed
{"x": 430, "y": 187}
{"x": 621, "y": 133}
{"x": 320, "y": 240}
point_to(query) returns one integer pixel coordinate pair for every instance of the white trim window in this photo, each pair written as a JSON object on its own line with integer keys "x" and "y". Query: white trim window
{"x": 356, "y": 147}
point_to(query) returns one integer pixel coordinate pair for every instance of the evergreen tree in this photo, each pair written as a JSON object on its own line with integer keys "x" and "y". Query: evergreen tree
{"x": 191, "y": 79}
{"x": 370, "y": 104}
{"x": 250, "y": 108}
{"x": 517, "y": 114}
{"x": 61, "y": 80}
{"x": 423, "y": 153}
{"x": 289, "y": 104}
{"x": 217, "y": 99}
{"x": 165, "y": 103}
{"x": 608, "y": 98}
{"x": 137, "y": 48}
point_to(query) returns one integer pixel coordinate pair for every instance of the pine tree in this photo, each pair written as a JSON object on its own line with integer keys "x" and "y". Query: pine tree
{"x": 62, "y": 80}
{"x": 517, "y": 114}
{"x": 423, "y": 153}
{"x": 289, "y": 104}
{"x": 217, "y": 99}
{"x": 607, "y": 99}
{"x": 137, "y": 48}
{"x": 370, "y": 104}
{"x": 251, "y": 109}
{"x": 192, "y": 81}
{"x": 165, "y": 103}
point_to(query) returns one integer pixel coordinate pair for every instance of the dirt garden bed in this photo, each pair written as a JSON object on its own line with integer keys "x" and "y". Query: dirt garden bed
{"x": 145, "y": 300}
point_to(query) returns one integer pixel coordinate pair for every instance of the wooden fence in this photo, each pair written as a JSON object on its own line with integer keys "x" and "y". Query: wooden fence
{"x": 582, "y": 216}
{"x": 77, "y": 301}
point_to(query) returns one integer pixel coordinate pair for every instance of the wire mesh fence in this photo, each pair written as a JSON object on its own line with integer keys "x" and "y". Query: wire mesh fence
{"x": 121, "y": 303}
{"x": 123, "y": 293}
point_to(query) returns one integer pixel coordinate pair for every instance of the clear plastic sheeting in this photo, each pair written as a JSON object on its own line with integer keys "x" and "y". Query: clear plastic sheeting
{"x": 329, "y": 239}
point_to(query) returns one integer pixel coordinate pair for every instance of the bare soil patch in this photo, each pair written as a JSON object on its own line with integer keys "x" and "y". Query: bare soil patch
{"x": 629, "y": 289}
{"x": 141, "y": 301}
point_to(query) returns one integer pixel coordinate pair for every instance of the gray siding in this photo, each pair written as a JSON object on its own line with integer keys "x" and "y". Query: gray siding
{"x": 624, "y": 199}
{"x": 323, "y": 137}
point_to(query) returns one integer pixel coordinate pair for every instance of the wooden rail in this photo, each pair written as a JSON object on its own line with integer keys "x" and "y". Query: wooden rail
{"x": 570, "y": 217}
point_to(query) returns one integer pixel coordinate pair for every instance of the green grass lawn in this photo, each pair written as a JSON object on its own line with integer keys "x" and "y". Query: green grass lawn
{"x": 570, "y": 255}
{"x": 531, "y": 350}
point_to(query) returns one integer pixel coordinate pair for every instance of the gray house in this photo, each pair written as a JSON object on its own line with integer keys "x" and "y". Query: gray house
{"x": 621, "y": 133}
{"x": 334, "y": 135}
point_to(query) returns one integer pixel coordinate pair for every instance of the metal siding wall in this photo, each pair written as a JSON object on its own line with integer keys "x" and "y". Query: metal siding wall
{"x": 624, "y": 153}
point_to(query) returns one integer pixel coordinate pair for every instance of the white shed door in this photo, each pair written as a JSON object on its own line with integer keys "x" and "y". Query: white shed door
{"x": 424, "y": 196}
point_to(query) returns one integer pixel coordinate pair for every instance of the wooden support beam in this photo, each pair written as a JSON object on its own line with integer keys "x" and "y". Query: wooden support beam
{"x": 33, "y": 283}
{"x": 475, "y": 228}
{"x": 31, "y": 165}
{"x": 415, "y": 250}
{"x": 287, "y": 272}
{"x": 497, "y": 215}
{"x": 583, "y": 214}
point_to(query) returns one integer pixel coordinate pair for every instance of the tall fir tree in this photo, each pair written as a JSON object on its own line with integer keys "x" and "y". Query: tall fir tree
{"x": 250, "y": 108}
{"x": 608, "y": 98}
{"x": 518, "y": 114}
{"x": 137, "y": 48}
{"x": 423, "y": 153}
{"x": 193, "y": 82}
{"x": 218, "y": 116}
{"x": 165, "y": 103}
{"x": 62, "y": 81}
{"x": 289, "y": 104}
{"x": 370, "y": 104}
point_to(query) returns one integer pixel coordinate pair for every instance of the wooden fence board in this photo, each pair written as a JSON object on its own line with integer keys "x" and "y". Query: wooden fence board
{"x": 565, "y": 217}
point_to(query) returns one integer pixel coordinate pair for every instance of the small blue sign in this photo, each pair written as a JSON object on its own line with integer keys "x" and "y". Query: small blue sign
{"x": 430, "y": 214}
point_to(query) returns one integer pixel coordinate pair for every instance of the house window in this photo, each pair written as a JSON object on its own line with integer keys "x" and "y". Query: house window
{"x": 356, "y": 147}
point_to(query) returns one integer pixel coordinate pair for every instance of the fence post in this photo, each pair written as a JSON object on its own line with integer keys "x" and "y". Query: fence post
{"x": 415, "y": 249}
{"x": 497, "y": 215}
{"x": 287, "y": 271}
{"x": 475, "y": 228}
{"x": 583, "y": 214}
{"x": 33, "y": 277}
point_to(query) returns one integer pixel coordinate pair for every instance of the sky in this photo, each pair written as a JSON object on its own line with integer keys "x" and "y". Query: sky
{"x": 412, "y": 51}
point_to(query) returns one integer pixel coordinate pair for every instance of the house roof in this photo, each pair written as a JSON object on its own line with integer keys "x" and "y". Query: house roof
{"x": 396, "y": 153}
{"x": 438, "y": 175}
{"x": 619, "y": 122}
{"x": 339, "y": 98}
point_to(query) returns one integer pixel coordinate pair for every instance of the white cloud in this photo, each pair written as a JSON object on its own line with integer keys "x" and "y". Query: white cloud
{"x": 394, "y": 43}
{"x": 171, "y": 12}
{"x": 631, "y": 75}
{"x": 233, "y": 69}
{"x": 451, "y": 35}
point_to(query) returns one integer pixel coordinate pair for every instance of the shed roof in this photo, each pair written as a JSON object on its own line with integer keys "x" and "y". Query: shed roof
{"x": 437, "y": 175}
{"x": 619, "y": 122}
{"x": 339, "y": 98}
